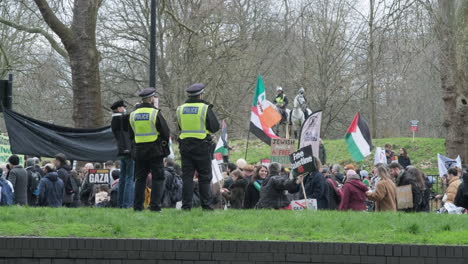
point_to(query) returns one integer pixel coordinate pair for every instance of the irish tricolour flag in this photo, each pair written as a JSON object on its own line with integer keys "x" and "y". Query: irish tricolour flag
{"x": 358, "y": 139}
{"x": 263, "y": 115}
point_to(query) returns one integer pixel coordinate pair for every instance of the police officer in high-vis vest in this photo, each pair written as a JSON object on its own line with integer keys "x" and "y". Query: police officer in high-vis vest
{"x": 196, "y": 121}
{"x": 151, "y": 136}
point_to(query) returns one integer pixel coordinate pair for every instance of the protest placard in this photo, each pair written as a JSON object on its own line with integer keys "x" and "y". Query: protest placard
{"x": 101, "y": 176}
{"x": 404, "y": 197}
{"x": 281, "y": 149}
{"x": 302, "y": 161}
{"x": 5, "y": 151}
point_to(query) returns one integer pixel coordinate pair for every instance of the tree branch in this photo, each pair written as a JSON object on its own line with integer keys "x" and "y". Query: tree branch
{"x": 65, "y": 33}
{"x": 55, "y": 45}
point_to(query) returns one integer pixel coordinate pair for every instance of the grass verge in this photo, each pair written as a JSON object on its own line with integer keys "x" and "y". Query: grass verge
{"x": 325, "y": 226}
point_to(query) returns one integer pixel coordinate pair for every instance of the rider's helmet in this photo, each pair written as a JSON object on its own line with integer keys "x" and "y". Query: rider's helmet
{"x": 301, "y": 91}
{"x": 279, "y": 89}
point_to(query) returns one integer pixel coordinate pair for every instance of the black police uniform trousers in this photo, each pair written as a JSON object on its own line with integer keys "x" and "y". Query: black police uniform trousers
{"x": 147, "y": 160}
{"x": 196, "y": 156}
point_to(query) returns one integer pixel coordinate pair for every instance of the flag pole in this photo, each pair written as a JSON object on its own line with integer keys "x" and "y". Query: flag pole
{"x": 247, "y": 145}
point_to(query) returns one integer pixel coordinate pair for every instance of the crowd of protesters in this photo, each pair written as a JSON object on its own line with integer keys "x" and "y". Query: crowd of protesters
{"x": 245, "y": 186}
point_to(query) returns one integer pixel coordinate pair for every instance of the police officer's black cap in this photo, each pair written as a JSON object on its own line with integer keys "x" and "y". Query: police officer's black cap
{"x": 147, "y": 92}
{"x": 118, "y": 104}
{"x": 195, "y": 89}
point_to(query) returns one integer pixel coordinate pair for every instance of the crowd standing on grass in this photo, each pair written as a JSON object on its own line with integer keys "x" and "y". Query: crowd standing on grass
{"x": 145, "y": 178}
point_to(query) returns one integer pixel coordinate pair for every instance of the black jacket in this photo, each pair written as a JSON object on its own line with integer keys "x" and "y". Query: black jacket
{"x": 461, "y": 199}
{"x": 120, "y": 126}
{"x": 236, "y": 193}
{"x": 199, "y": 148}
{"x": 252, "y": 195}
{"x": 272, "y": 194}
{"x": 151, "y": 150}
{"x": 316, "y": 188}
{"x": 404, "y": 161}
{"x": 418, "y": 192}
{"x": 51, "y": 190}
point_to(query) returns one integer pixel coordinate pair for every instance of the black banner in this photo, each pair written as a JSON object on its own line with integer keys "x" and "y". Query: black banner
{"x": 33, "y": 137}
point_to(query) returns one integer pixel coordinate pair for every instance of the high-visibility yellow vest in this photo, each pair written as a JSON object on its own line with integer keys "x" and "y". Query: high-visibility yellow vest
{"x": 143, "y": 122}
{"x": 192, "y": 119}
{"x": 279, "y": 100}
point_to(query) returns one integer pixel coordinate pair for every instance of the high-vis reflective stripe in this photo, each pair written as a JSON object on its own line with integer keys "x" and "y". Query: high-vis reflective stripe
{"x": 279, "y": 100}
{"x": 192, "y": 120}
{"x": 143, "y": 122}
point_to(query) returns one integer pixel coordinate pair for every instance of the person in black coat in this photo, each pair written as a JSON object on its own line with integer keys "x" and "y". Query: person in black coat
{"x": 316, "y": 187}
{"x": 415, "y": 178}
{"x": 403, "y": 158}
{"x": 272, "y": 195}
{"x": 51, "y": 188}
{"x": 235, "y": 195}
{"x": 461, "y": 199}
{"x": 63, "y": 171}
{"x": 252, "y": 193}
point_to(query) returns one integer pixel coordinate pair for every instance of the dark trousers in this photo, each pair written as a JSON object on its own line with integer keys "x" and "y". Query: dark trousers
{"x": 191, "y": 163}
{"x": 142, "y": 168}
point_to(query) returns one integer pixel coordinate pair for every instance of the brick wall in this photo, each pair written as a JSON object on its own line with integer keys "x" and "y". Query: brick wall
{"x": 120, "y": 251}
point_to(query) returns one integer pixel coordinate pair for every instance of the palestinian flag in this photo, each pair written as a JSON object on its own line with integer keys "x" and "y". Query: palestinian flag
{"x": 358, "y": 139}
{"x": 263, "y": 115}
{"x": 222, "y": 148}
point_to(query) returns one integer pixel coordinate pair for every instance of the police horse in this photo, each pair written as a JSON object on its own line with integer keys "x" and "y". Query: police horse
{"x": 297, "y": 117}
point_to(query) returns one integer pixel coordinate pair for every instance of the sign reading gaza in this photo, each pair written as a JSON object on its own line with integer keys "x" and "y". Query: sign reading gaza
{"x": 302, "y": 161}
{"x": 99, "y": 176}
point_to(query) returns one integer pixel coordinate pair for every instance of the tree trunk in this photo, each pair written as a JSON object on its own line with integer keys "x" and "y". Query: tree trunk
{"x": 453, "y": 74}
{"x": 370, "y": 71}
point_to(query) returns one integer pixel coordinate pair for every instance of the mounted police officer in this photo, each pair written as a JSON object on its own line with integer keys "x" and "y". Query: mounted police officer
{"x": 151, "y": 136}
{"x": 196, "y": 121}
{"x": 281, "y": 101}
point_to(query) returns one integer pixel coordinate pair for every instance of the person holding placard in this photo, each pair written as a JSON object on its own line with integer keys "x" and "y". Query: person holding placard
{"x": 385, "y": 192}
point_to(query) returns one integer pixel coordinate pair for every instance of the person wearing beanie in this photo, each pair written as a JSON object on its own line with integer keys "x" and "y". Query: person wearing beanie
{"x": 197, "y": 121}
{"x": 354, "y": 193}
{"x": 18, "y": 177}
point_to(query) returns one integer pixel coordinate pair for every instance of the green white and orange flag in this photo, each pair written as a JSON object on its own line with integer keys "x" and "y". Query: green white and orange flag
{"x": 222, "y": 148}
{"x": 358, "y": 139}
{"x": 263, "y": 115}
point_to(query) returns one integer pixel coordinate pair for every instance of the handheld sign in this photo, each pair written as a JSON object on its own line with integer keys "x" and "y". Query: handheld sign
{"x": 302, "y": 161}
{"x": 280, "y": 150}
{"x": 101, "y": 176}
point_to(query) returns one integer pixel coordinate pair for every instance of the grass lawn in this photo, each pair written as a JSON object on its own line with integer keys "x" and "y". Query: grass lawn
{"x": 422, "y": 152}
{"x": 236, "y": 225}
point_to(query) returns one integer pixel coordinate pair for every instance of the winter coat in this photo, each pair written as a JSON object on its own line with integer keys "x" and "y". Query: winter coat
{"x": 418, "y": 192}
{"x": 169, "y": 174}
{"x": 51, "y": 189}
{"x": 228, "y": 182}
{"x": 384, "y": 196}
{"x": 272, "y": 192}
{"x": 316, "y": 188}
{"x": 404, "y": 161}
{"x": 64, "y": 174}
{"x": 461, "y": 199}
{"x": 322, "y": 154}
{"x": 252, "y": 195}
{"x": 354, "y": 196}
{"x": 452, "y": 189}
{"x": 120, "y": 126}
{"x": 339, "y": 177}
{"x": 18, "y": 176}
{"x": 237, "y": 193}
{"x": 334, "y": 194}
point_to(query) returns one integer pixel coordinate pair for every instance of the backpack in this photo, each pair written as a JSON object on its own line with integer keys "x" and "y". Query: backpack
{"x": 175, "y": 189}
{"x": 6, "y": 193}
{"x": 34, "y": 179}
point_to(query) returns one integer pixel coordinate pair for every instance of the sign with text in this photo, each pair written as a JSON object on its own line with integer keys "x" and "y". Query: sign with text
{"x": 101, "y": 176}
{"x": 414, "y": 125}
{"x": 281, "y": 149}
{"x": 5, "y": 151}
{"x": 302, "y": 161}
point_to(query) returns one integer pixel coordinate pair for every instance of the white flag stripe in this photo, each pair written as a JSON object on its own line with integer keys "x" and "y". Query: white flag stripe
{"x": 361, "y": 142}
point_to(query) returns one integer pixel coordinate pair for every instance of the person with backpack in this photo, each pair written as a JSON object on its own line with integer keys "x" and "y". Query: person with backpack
{"x": 172, "y": 186}
{"x": 51, "y": 188}
{"x": 63, "y": 171}
{"x": 6, "y": 192}
{"x": 33, "y": 182}
{"x": 18, "y": 177}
